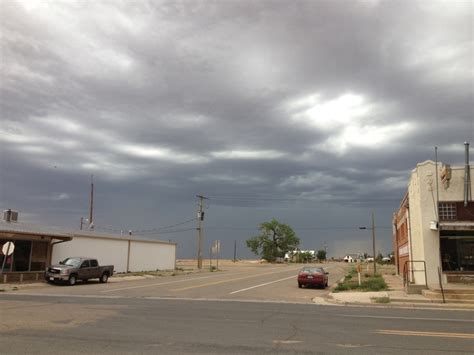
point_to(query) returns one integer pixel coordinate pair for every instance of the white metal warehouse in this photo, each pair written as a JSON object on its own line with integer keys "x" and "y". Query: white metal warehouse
{"x": 126, "y": 253}
{"x": 36, "y": 247}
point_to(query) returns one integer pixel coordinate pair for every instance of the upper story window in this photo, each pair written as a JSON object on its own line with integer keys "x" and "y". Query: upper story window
{"x": 447, "y": 211}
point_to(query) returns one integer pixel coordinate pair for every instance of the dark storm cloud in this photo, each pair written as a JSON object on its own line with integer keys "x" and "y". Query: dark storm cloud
{"x": 324, "y": 105}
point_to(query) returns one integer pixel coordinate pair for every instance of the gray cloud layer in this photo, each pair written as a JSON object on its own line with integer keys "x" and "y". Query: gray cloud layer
{"x": 307, "y": 112}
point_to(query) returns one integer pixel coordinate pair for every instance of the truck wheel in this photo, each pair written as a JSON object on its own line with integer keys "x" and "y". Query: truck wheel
{"x": 300, "y": 285}
{"x": 72, "y": 280}
{"x": 104, "y": 278}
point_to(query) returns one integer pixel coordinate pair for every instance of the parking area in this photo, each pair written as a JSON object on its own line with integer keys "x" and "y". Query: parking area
{"x": 240, "y": 281}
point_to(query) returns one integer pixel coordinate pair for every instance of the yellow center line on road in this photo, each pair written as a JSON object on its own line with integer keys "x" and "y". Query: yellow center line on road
{"x": 425, "y": 334}
{"x": 265, "y": 284}
{"x": 230, "y": 280}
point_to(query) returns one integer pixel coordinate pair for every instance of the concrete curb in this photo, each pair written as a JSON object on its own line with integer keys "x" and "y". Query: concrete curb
{"x": 405, "y": 304}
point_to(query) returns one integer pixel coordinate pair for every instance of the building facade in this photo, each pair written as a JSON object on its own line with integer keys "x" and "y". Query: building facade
{"x": 127, "y": 254}
{"x": 434, "y": 226}
{"x": 36, "y": 247}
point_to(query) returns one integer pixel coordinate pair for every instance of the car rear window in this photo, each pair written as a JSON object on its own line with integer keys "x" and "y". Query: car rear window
{"x": 313, "y": 269}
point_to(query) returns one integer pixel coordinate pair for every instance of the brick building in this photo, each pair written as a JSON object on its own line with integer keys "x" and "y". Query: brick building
{"x": 434, "y": 226}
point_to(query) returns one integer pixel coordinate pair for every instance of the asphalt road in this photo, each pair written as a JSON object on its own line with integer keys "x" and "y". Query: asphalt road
{"x": 32, "y": 324}
{"x": 241, "y": 282}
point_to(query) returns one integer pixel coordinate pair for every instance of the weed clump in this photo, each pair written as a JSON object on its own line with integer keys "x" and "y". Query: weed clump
{"x": 368, "y": 283}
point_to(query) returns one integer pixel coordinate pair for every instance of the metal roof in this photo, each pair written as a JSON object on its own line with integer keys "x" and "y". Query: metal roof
{"x": 29, "y": 229}
{"x": 68, "y": 234}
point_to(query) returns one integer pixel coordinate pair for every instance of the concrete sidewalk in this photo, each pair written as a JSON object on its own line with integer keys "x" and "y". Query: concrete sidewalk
{"x": 395, "y": 296}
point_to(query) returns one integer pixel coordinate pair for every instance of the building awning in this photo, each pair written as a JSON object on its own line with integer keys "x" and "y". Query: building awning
{"x": 22, "y": 231}
{"x": 457, "y": 226}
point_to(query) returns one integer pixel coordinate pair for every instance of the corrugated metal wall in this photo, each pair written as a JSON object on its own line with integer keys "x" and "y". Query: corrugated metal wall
{"x": 144, "y": 256}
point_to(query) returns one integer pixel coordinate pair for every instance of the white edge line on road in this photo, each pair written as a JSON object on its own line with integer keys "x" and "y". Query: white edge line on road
{"x": 265, "y": 284}
{"x": 408, "y": 318}
{"x": 169, "y": 282}
{"x": 155, "y": 284}
{"x": 159, "y": 298}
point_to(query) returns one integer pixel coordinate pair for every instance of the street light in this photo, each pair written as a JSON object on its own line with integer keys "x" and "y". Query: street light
{"x": 373, "y": 240}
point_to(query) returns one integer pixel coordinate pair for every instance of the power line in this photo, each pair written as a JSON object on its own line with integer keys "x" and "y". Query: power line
{"x": 296, "y": 228}
{"x": 236, "y": 200}
{"x": 179, "y": 230}
{"x": 159, "y": 230}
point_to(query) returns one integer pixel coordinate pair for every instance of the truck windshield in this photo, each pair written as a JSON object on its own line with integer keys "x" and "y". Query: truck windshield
{"x": 75, "y": 262}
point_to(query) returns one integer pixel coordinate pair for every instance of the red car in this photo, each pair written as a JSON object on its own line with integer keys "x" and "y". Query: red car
{"x": 312, "y": 276}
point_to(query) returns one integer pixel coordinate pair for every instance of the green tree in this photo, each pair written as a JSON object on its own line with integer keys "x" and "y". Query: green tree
{"x": 321, "y": 255}
{"x": 274, "y": 241}
{"x": 379, "y": 257}
{"x": 304, "y": 257}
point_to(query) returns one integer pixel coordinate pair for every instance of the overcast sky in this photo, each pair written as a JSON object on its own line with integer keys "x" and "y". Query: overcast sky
{"x": 310, "y": 112}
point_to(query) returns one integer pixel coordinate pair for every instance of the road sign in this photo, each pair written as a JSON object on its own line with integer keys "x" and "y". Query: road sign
{"x": 216, "y": 246}
{"x": 8, "y": 248}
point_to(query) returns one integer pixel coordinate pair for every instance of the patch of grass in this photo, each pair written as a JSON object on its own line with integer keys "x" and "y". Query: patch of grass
{"x": 341, "y": 287}
{"x": 375, "y": 283}
{"x": 368, "y": 283}
{"x": 14, "y": 288}
{"x": 381, "y": 299}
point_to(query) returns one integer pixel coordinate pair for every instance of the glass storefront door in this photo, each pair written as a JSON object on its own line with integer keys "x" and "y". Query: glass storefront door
{"x": 457, "y": 253}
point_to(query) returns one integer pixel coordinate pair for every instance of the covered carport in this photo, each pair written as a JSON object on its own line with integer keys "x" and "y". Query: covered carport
{"x": 32, "y": 250}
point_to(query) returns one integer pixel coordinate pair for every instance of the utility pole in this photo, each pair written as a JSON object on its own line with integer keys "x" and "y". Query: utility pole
{"x": 235, "y": 250}
{"x": 91, "y": 204}
{"x": 373, "y": 242}
{"x": 200, "y": 217}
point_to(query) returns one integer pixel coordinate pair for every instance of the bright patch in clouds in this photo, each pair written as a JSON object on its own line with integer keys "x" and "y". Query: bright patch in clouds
{"x": 364, "y": 136}
{"x": 229, "y": 179}
{"x": 151, "y": 152}
{"x": 315, "y": 180}
{"x": 331, "y": 114}
{"x": 60, "y": 123}
{"x": 60, "y": 197}
{"x": 348, "y": 120}
{"x": 248, "y": 154}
